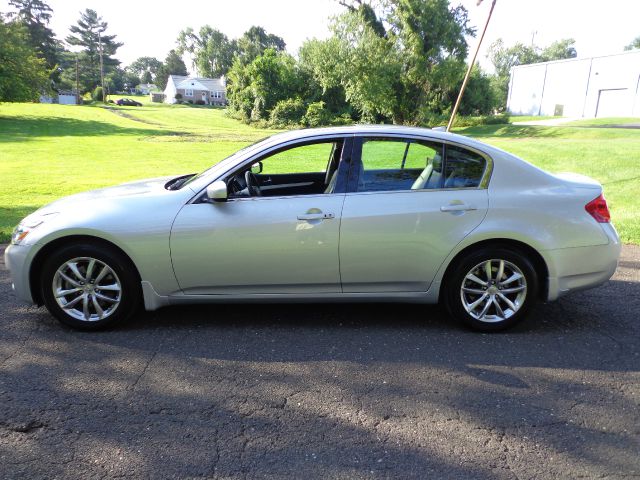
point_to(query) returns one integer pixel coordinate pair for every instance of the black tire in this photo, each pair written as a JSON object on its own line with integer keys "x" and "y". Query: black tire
{"x": 122, "y": 273}
{"x": 493, "y": 320}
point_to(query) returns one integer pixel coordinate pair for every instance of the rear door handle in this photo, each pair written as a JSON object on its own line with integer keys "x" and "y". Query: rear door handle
{"x": 457, "y": 207}
{"x": 316, "y": 216}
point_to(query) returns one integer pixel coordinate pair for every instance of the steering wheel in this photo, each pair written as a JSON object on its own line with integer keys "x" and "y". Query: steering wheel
{"x": 252, "y": 184}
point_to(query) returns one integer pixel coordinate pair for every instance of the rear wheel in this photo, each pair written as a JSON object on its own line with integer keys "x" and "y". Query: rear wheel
{"x": 90, "y": 287}
{"x": 491, "y": 289}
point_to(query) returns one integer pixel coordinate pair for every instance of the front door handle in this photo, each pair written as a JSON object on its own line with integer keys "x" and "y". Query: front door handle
{"x": 316, "y": 216}
{"x": 457, "y": 207}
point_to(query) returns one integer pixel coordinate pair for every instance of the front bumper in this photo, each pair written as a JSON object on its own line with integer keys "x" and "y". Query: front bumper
{"x": 17, "y": 261}
{"x": 579, "y": 268}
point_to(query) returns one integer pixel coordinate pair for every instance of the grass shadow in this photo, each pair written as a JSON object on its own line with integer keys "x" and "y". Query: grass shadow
{"x": 24, "y": 128}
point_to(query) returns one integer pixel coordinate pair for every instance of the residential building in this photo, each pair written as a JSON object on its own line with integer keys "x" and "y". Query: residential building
{"x": 211, "y": 91}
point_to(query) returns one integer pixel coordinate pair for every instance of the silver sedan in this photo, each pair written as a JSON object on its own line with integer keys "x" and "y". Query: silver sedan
{"x": 363, "y": 213}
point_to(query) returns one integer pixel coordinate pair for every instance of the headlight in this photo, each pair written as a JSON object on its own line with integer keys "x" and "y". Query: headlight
{"x": 27, "y": 225}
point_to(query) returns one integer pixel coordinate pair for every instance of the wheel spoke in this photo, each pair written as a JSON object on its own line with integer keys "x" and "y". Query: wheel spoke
{"x": 74, "y": 302}
{"x": 498, "y": 307}
{"x": 105, "y": 298}
{"x": 74, "y": 269}
{"x": 97, "y": 306}
{"x": 92, "y": 263}
{"x": 69, "y": 279}
{"x": 505, "y": 291}
{"x": 85, "y": 307}
{"x": 486, "y": 307}
{"x": 500, "y": 271}
{"x": 478, "y": 301}
{"x": 473, "y": 278}
{"x": 473, "y": 290}
{"x": 507, "y": 301}
{"x": 511, "y": 279}
{"x": 101, "y": 275}
{"x": 487, "y": 269}
{"x": 113, "y": 288}
{"x": 64, "y": 293}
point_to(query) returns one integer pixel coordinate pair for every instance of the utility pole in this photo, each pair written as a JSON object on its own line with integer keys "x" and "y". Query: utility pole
{"x": 77, "y": 82}
{"x": 468, "y": 74}
{"x": 101, "y": 67}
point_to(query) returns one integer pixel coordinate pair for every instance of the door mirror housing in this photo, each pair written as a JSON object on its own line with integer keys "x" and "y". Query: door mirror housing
{"x": 256, "y": 168}
{"x": 217, "y": 191}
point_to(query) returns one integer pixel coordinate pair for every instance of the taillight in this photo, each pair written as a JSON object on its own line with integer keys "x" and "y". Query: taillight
{"x": 598, "y": 209}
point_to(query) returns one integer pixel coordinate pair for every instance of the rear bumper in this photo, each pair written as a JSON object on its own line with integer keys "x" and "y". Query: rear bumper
{"x": 572, "y": 269}
{"x": 16, "y": 259}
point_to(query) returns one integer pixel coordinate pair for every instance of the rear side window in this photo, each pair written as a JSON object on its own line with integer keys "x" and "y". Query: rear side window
{"x": 463, "y": 168}
{"x": 399, "y": 164}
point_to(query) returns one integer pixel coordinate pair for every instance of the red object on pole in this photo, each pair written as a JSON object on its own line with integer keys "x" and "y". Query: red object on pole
{"x": 468, "y": 74}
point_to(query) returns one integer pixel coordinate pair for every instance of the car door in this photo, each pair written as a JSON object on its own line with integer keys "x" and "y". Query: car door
{"x": 271, "y": 244}
{"x": 409, "y": 203}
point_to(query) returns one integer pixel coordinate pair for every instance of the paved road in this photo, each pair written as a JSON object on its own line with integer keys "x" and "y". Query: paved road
{"x": 326, "y": 391}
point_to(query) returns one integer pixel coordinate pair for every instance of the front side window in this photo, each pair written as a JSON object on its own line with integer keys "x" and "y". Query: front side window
{"x": 300, "y": 170}
{"x": 188, "y": 92}
{"x": 399, "y": 164}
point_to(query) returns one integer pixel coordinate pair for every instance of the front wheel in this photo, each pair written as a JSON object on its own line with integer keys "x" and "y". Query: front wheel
{"x": 491, "y": 289}
{"x": 89, "y": 287}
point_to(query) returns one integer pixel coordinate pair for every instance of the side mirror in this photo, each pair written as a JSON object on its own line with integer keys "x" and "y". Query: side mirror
{"x": 217, "y": 191}
{"x": 256, "y": 168}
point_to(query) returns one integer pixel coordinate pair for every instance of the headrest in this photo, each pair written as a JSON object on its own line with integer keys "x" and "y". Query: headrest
{"x": 437, "y": 163}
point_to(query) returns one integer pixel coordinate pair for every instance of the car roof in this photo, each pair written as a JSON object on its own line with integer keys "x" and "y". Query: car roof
{"x": 377, "y": 130}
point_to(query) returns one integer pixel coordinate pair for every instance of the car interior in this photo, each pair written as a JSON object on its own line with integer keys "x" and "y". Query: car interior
{"x": 255, "y": 181}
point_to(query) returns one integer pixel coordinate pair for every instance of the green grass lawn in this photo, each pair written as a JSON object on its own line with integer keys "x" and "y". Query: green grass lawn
{"x": 48, "y": 151}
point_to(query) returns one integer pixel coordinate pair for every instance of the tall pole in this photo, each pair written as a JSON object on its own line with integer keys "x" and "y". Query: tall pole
{"x": 101, "y": 67}
{"x": 77, "y": 82}
{"x": 468, "y": 74}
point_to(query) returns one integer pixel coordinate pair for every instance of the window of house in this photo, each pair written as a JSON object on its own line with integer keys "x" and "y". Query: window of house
{"x": 216, "y": 94}
{"x": 188, "y": 92}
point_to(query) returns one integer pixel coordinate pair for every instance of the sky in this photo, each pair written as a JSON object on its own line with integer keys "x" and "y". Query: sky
{"x": 150, "y": 28}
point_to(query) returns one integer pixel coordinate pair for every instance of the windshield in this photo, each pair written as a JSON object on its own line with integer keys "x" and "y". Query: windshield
{"x": 226, "y": 160}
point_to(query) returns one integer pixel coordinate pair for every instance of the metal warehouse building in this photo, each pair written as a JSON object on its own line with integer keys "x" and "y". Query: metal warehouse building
{"x": 605, "y": 86}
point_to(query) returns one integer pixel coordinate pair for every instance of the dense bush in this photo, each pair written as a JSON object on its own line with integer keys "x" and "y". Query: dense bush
{"x": 317, "y": 115}
{"x": 288, "y": 112}
{"x": 97, "y": 94}
{"x": 200, "y": 102}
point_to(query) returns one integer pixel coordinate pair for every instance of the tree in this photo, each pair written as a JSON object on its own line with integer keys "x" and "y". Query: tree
{"x": 146, "y": 69}
{"x": 254, "y": 89}
{"x": 173, "y": 65}
{"x": 89, "y": 33}
{"x": 255, "y": 41}
{"x": 635, "y": 43}
{"x": 210, "y": 50}
{"x": 398, "y": 65}
{"x": 559, "y": 50}
{"x": 23, "y": 76}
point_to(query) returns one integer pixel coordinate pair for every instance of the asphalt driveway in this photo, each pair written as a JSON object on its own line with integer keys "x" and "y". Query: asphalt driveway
{"x": 326, "y": 391}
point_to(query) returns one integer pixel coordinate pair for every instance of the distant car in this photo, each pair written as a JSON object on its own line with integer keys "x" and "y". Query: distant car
{"x": 128, "y": 102}
{"x": 376, "y": 213}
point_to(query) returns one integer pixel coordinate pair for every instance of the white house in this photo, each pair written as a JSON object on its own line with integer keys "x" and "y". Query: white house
{"x": 211, "y": 91}
{"x": 607, "y": 86}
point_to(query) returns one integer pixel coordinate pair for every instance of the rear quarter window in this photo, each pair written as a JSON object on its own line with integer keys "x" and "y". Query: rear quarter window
{"x": 463, "y": 168}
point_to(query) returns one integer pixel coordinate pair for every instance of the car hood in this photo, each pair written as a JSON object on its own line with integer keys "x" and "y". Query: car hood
{"x": 139, "y": 188}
